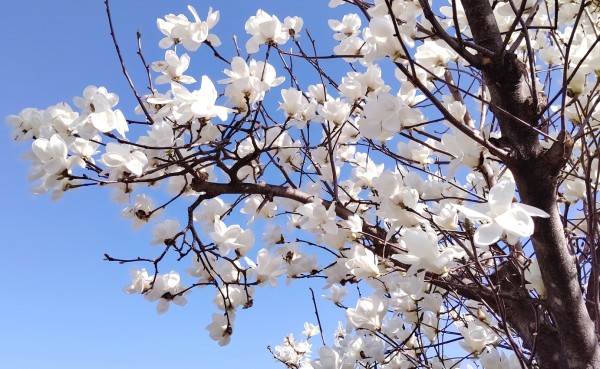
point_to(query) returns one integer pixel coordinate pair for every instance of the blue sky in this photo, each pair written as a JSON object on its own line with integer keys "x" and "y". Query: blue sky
{"x": 62, "y": 306}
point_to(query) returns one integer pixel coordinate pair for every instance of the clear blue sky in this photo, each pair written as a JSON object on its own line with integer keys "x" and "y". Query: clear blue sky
{"x": 62, "y": 306}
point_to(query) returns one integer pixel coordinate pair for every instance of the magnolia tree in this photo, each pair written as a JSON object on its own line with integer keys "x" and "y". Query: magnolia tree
{"x": 441, "y": 189}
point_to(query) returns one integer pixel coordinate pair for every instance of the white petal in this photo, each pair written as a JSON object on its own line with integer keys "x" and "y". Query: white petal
{"x": 472, "y": 214}
{"x": 39, "y": 148}
{"x": 57, "y": 146}
{"x": 135, "y": 167}
{"x": 405, "y": 258}
{"x": 101, "y": 121}
{"x": 501, "y": 196}
{"x": 517, "y": 222}
{"x": 113, "y": 160}
{"x": 487, "y": 234}
{"x": 162, "y": 306}
{"x": 532, "y": 210}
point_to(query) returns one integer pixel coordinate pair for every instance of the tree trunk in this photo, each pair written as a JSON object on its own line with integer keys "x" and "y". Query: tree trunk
{"x": 574, "y": 343}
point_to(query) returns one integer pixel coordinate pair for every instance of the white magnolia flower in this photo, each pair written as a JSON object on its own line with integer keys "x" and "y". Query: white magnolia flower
{"x": 348, "y": 27}
{"x": 293, "y": 25}
{"x": 434, "y": 56}
{"x": 124, "y": 157}
{"x": 268, "y": 268}
{"x": 96, "y": 108}
{"x": 362, "y": 263}
{"x": 221, "y": 327}
{"x": 140, "y": 282}
{"x": 292, "y": 352}
{"x": 368, "y": 313}
{"x": 381, "y": 36}
{"x": 336, "y": 294}
{"x": 179, "y": 30}
{"x": 424, "y": 252}
{"x": 161, "y": 135}
{"x": 464, "y": 150}
{"x": 477, "y": 336}
{"x": 310, "y": 330}
{"x": 297, "y": 107}
{"x": 230, "y": 238}
{"x": 229, "y": 297}
{"x": 198, "y": 103}
{"x": 491, "y": 358}
{"x": 142, "y": 210}
{"x": 52, "y": 154}
{"x": 173, "y": 68}
{"x": 164, "y": 232}
{"x": 501, "y": 216}
{"x": 264, "y": 28}
{"x": 27, "y": 124}
{"x": 316, "y": 216}
{"x": 385, "y": 114}
{"x": 328, "y": 359}
{"x": 335, "y": 111}
{"x": 166, "y": 289}
{"x": 249, "y": 82}
{"x": 209, "y": 211}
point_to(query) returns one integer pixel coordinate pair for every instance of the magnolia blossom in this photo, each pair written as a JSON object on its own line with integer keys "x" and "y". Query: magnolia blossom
{"x": 249, "y": 82}
{"x": 328, "y": 359}
{"x": 385, "y": 114}
{"x": 264, "y": 28}
{"x": 293, "y": 25}
{"x": 316, "y": 216}
{"x": 268, "y": 268}
{"x": 230, "y": 297}
{"x": 231, "y": 238}
{"x": 335, "y": 111}
{"x": 292, "y": 352}
{"x": 221, "y": 328}
{"x": 199, "y": 103}
{"x": 336, "y": 294}
{"x": 164, "y": 232}
{"x": 124, "y": 157}
{"x": 363, "y": 263}
{"x": 310, "y": 330}
{"x": 381, "y": 36}
{"x": 423, "y": 251}
{"x": 96, "y": 108}
{"x": 52, "y": 154}
{"x": 348, "y": 27}
{"x": 297, "y": 107}
{"x": 141, "y": 282}
{"x": 166, "y": 288}
{"x": 477, "y": 336}
{"x": 574, "y": 189}
{"x": 416, "y": 151}
{"x": 141, "y": 211}
{"x": 172, "y": 68}
{"x": 27, "y": 124}
{"x": 492, "y": 358}
{"x": 434, "y": 56}
{"x": 179, "y": 30}
{"x": 464, "y": 150}
{"x": 209, "y": 211}
{"x": 500, "y": 216}
{"x": 368, "y": 313}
